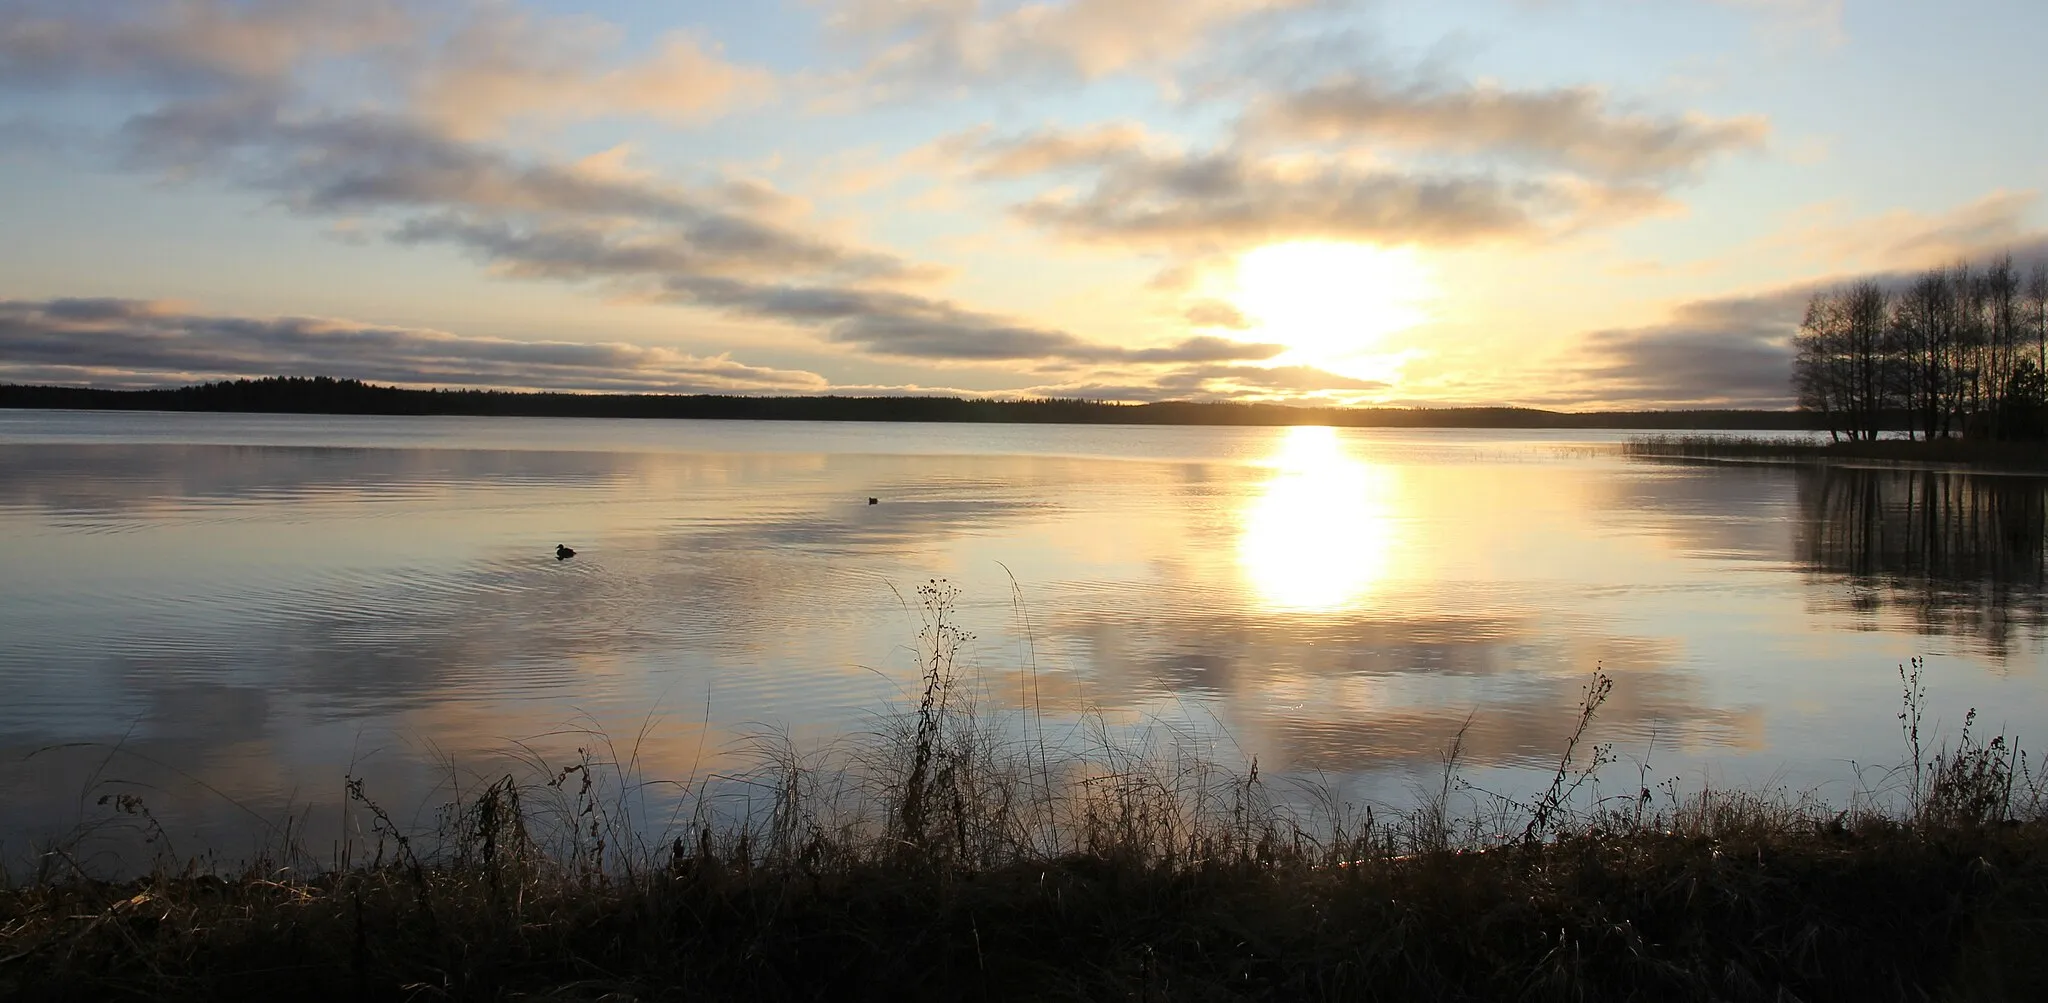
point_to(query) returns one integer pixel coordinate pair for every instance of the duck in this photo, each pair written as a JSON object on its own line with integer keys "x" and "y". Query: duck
{"x": 563, "y": 553}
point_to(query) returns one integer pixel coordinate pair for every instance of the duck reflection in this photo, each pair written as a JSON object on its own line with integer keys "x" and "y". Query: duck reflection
{"x": 1966, "y": 555}
{"x": 1320, "y": 534}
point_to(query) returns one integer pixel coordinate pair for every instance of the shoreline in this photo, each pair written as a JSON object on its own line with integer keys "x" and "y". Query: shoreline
{"x": 349, "y": 397}
{"x": 1851, "y": 911}
{"x": 979, "y": 876}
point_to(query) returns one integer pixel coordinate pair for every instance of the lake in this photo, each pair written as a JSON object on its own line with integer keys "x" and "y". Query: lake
{"x": 227, "y": 614}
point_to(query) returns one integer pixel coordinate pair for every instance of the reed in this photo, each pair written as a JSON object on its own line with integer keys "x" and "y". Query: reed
{"x": 951, "y": 854}
{"x": 1988, "y": 454}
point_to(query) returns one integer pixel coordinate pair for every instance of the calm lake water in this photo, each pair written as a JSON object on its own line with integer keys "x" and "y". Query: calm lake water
{"x": 228, "y": 613}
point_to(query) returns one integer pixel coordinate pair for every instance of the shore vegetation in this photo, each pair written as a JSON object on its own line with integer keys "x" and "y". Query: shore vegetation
{"x": 960, "y": 854}
{"x": 2019, "y": 456}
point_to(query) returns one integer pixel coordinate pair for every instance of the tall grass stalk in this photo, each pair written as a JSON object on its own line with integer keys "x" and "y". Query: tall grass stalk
{"x": 955, "y": 853}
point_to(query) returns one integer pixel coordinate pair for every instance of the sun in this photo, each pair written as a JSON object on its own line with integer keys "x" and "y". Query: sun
{"x": 1329, "y": 301}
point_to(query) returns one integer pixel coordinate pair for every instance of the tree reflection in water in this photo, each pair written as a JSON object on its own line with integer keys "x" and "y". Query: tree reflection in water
{"x": 1965, "y": 554}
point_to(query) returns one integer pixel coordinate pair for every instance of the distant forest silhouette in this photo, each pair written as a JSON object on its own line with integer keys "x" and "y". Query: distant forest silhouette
{"x": 324, "y": 395}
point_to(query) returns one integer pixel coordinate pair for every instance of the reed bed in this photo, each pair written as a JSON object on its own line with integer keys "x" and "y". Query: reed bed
{"x": 2000, "y": 455}
{"x": 956, "y": 855}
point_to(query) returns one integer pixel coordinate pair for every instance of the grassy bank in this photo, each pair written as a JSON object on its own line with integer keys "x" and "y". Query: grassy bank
{"x": 952, "y": 856}
{"x": 2015, "y": 456}
{"x": 1718, "y": 910}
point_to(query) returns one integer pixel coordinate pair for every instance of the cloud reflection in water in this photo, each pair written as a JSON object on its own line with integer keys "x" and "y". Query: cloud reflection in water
{"x": 260, "y": 616}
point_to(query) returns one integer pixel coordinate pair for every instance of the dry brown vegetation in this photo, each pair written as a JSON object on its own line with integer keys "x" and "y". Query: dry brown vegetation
{"x": 951, "y": 858}
{"x": 1984, "y": 453}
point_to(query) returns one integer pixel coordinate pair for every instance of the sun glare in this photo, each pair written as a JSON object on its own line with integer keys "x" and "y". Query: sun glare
{"x": 1321, "y": 534}
{"x": 1330, "y": 301}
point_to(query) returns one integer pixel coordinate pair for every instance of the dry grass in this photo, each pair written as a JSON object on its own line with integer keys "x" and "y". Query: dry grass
{"x": 953, "y": 856}
{"x": 2021, "y": 456}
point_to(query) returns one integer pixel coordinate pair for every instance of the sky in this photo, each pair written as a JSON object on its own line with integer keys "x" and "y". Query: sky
{"x": 1573, "y": 204}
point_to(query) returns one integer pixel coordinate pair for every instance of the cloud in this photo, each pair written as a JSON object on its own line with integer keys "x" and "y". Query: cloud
{"x": 1734, "y": 351}
{"x": 392, "y": 118}
{"x": 1905, "y": 239}
{"x": 126, "y": 342}
{"x": 1142, "y": 191}
{"x": 717, "y": 244}
{"x": 184, "y": 46}
{"x": 914, "y": 327}
{"x": 1730, "y": 352}
{"x": 1203, "y": 200}
{"x": 135, "y": 341}
{"x": 911, "y": 46}
{"x": 20, "y": 136}
{"x": 493, "y": 70}
{"x": 568, "y": 220}
{"x": 1293, "y": 378}
{"x": 1996, "y": 220}
{"x": 328, "y": 162}
{"x": 1216, "y": 313}
{"x": 878, "y": 321}
{"x": 1206, "y": 382}
{"x": 422, "y": 175}
{"x": 569, "y": 223}
{"x": 709, "y": 248}
{"x": 1787, "y": 20}
{"x": 1477, "y": 163}
{"x": 1045, "y": 151}
{"x": 1572, "y": 128}
{"x": 472, "y": 68}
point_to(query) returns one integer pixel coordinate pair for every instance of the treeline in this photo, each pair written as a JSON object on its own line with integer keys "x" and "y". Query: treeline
{"x": 324, "y": 395}
{"x": 1960, "y": 351}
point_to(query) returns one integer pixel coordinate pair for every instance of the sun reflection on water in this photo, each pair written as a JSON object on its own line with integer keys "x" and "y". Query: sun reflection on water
{"x": 1321, "y": 533}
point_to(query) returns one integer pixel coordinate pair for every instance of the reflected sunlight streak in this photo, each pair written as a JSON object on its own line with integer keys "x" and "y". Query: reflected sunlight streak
{"x": 1321, "y": 533}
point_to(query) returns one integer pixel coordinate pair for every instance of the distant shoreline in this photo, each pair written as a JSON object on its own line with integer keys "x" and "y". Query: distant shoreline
{"x": 322, "y": 395}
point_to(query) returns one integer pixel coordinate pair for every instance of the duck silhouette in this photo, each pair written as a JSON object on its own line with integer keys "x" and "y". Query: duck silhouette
{"x": 563, "y": 553}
